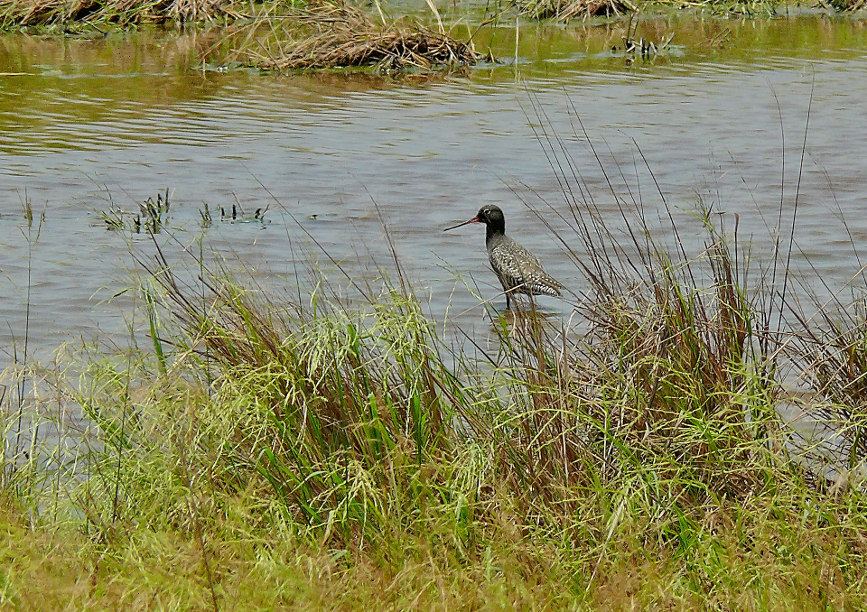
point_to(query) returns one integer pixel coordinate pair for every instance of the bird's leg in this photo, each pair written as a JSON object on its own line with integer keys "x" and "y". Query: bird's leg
{"x": 508, "y": 307}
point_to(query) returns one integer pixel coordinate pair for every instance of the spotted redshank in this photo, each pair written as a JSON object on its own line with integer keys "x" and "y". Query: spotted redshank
{"x": 517, "y": 268}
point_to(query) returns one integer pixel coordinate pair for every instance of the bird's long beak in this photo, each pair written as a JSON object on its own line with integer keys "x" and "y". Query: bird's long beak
{"x": 473, "y": 220}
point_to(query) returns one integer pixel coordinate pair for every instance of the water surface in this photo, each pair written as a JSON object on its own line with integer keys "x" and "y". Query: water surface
{"x": 87, "y": 126}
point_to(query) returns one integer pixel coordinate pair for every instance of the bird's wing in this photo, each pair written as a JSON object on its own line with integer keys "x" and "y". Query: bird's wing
{"x": 504, "y": 261}
{"x": 518, "y": 267}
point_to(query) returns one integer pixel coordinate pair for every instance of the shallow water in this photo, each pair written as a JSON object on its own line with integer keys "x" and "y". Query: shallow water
{"x": 87, "y": 125}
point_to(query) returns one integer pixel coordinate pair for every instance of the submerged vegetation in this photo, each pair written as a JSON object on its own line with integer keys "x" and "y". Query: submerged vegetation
{"x": 310, "y": 452}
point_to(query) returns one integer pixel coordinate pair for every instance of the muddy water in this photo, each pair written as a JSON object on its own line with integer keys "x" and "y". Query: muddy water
{"x": 87, "y": 127}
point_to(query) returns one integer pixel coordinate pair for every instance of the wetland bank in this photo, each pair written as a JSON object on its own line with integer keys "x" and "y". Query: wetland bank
{"x": 308, "y": 398}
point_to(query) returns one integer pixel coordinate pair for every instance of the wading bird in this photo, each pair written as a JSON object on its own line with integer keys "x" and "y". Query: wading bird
{"x": 517, "y": 268}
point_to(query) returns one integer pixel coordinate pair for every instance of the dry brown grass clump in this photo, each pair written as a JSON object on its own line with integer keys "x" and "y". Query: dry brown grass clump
{"x": 19, "y": 13}
{"x": 342, "y": 35}
{"x": 843, "y": 6}
{"x": 566, "y": 10}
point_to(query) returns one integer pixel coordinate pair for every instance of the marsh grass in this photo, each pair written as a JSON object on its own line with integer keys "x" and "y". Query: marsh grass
{"x": 845, "y": 5}
{"x": 570, "y": 10}
{"x": 24, "y": 13}
{"x": 741, "y": 8}
{"x": 567, "y": 10}
{"x": 830, "y": 354}
{"x": 316, "y": 454}
{"x": 342, "y": 35}
{"x": 279, "y": 36}
{"x": 313, "y": 452}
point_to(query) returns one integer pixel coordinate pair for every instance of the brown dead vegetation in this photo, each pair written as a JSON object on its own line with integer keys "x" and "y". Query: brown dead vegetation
{"x": 567, "y": 10}
{"x": 342, "y": 35}
{"x": 274, "y": 37}
{"x": 21, "y": 13}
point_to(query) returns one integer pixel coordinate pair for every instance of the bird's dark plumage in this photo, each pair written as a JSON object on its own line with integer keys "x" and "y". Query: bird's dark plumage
{"x": 517, "y": 268}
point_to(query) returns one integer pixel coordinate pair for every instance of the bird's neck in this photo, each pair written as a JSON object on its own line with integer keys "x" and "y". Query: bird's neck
{"x": 492, "y": 232}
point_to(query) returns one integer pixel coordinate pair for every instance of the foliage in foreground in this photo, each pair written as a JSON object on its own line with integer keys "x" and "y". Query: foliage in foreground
{"x": 309, "y": 455}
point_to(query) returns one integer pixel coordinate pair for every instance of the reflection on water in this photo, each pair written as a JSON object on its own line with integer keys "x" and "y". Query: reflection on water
{"x": 90, "y": 126}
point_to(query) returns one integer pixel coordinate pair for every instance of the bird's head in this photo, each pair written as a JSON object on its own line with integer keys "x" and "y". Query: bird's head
{"x": 488, "y": 214}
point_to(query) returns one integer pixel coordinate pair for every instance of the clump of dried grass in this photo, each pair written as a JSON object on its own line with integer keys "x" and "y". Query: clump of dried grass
{"x": 342, "y": 35}
{"x": 20, "y": 13}
{"x": 845, "y": 5}
{"x": 566, "y": 10}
